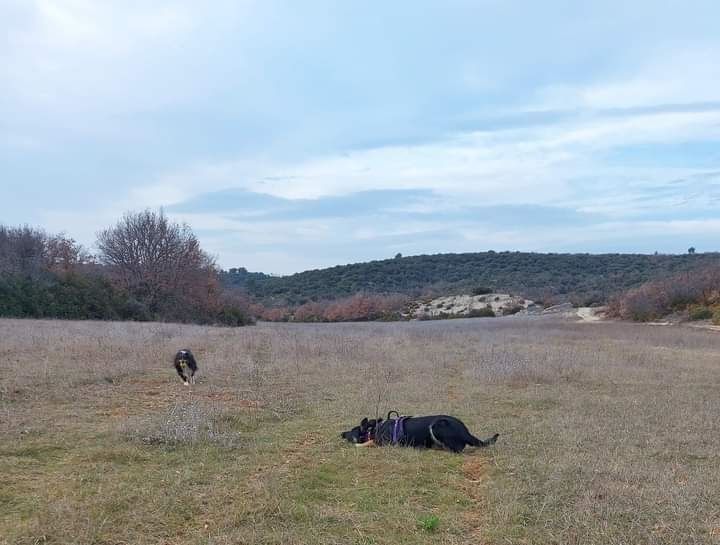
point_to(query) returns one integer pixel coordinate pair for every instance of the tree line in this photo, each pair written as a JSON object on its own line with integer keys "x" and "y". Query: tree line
{"x": 582, "y": 279}
{"x": 147, "y": 268}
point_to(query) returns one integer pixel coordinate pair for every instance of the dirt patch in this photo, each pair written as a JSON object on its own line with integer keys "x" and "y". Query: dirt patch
{"x": 152, "y": 392}
{"x": 297, "y": 452}
{"x": 474, "y": 470}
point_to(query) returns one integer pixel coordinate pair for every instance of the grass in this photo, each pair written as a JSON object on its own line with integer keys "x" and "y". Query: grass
{"x": 429, "y": 523}
{"x": 609, "y": 434}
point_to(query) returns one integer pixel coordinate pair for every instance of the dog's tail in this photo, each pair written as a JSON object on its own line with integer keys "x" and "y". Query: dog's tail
{"x": 466, "y": 436}
{"x": 484, "y": 442}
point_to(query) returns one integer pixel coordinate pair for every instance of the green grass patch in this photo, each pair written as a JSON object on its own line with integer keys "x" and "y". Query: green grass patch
{"x": 429, "y": 523}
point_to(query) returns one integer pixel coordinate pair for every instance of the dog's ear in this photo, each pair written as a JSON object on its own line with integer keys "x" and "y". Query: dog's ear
{"x": 363, "y": 423}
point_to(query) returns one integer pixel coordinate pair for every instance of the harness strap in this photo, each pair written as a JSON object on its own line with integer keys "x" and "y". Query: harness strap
{"x": 398, "y": 431}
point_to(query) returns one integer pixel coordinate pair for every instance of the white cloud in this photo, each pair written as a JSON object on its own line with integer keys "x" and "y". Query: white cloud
{"x": 685, "y": 75}
{"x": 523, "y": 166}
{"x": 68, "y": 59}
{"x": 199, "y": 97}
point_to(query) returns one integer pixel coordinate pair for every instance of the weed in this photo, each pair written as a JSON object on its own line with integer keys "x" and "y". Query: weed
{"x": 429, "y": 523}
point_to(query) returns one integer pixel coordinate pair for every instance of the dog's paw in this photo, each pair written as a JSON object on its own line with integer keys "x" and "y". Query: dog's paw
{"x": 186, "y": 383}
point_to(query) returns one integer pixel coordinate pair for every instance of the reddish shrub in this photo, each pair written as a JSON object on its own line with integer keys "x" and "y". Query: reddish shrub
{"x": 357, "y": 308}
{"x": 310, "y": 312}
{"x": 656, "y": 299}
{"x": 365, "y": 307}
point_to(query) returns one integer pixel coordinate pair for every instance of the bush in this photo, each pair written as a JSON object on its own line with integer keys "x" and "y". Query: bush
{"x": 514, "y": 309}
{"x": 481, "y": 290}
{"x": 358, "y": 308}
{"x": 234, "y": 316}
{"x": 481, "y": 313}
{"x": 716, "y": 317}
{"x": 700, "y": 312}
{"x": 694, "y": 291}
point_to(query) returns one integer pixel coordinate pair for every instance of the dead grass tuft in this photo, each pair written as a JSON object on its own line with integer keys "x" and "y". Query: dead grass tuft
{"x": 188, "y": 422}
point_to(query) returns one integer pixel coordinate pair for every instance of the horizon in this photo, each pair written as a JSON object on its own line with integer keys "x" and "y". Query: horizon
{"x": 292, "y": 139}
{"x": 228, "y": 269}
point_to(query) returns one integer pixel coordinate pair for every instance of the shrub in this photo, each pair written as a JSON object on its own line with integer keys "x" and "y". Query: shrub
{"x": 694, "y": 291}
{"x": 234, "y": 316}
{"x": 716, "y": 317}
{"x": 481, "y": 313}
{"x": 513, "y": 309}
{"x": 358, "y": 308}
{"x": 700, "y": 312}
{"x": 310, "y": 312}
{"x": 481, "y": 291}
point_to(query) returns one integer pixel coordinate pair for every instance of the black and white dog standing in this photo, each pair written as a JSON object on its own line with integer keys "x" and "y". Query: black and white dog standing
{"x": 186, "y": 366}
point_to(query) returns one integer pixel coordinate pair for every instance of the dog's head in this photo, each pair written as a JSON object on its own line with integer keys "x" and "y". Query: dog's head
{"x": 362, "y": 433}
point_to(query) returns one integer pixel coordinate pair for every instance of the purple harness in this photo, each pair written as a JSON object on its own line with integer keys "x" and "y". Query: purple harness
{"x": 398, "y": 429}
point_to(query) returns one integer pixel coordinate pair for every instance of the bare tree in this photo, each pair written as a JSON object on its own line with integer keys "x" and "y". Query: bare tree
{"x": 158, "y": 261}
{"x": 30, "y": 252}
{"x": 23, "y": 250}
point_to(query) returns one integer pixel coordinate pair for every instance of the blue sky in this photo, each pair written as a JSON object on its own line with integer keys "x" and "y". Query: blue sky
{"x": 297, "y": 135}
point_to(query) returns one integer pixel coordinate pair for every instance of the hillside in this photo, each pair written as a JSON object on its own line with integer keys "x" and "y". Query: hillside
{"x": 581, "y": 278}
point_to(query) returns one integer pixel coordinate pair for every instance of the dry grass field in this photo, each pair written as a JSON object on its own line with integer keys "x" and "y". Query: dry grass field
{"x": 610, "y": 433}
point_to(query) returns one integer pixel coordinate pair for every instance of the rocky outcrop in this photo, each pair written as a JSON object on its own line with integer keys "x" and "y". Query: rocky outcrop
{"x": 501, "y": 304}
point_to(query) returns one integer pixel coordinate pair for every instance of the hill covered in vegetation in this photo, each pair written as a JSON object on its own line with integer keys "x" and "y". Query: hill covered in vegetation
{"x": 583, "y": 279}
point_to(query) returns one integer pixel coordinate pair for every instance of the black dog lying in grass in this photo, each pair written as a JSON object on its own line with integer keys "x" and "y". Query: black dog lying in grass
{"x": 416, "y": 431}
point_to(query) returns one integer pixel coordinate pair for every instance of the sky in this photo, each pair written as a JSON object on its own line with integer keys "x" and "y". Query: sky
{"x": 300, "y": 135}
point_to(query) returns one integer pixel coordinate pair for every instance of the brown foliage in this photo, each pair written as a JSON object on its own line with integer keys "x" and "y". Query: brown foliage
{"x": 310, "y": 312}
{"x": 659, "y": 298}
{"x": 357, "y": 308}
{"x": 276, "y": 314}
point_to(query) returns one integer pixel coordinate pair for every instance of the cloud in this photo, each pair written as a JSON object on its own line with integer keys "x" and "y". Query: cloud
{"x": 72, "y": 61}
{"x": 292, "y": 137}
{"x": 538, "y": 165}
{"x": 675, "y": 76}
{"x": 547, "y": 188}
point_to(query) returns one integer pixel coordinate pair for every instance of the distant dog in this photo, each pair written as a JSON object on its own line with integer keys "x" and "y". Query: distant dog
{"x": 185, "y": 364}
{"x": 416, "y": 431}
